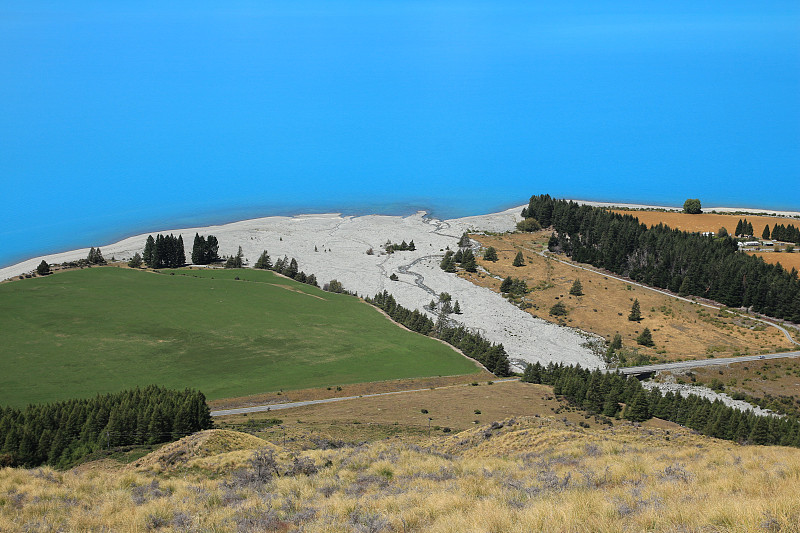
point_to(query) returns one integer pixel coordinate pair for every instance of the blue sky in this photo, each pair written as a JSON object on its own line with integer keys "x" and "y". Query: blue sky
{"x": 121, "y": 117}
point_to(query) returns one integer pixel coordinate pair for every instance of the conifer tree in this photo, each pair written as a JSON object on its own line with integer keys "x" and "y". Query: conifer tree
{"x": 463, "y": 242}
{"x": 43, "y": 269}
{"x": 198, "y": 250}
{"x": 739, "y": 230}
{"x": 468, "y": 261}
{"x": 211, "y": 250}
{"x": 506, "y": 285}
{"x": 490, "y": 254}
{"x": 149, "y": 246}
{"x": 645, "y": 338}
{"x": 180, "y": 258}
{"x": 577, "y": 288}
{"x": 235, "y": 261}
{"x": 518, "y": 260}
{"x": 264, "y": 262}
{"x": 638, "y": 409}
{"x": 765, "y": 233}
{"x": 457, "y": 308}
{"x": 136, "y": 261}
{"x": 635, "y": 314}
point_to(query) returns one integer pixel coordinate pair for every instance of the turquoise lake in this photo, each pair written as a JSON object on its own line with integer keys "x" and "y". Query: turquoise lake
{"x": 129, "y": 117}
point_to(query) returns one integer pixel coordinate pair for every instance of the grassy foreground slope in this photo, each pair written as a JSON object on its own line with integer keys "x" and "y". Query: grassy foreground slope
{"x": 105, "y": 329}
{"x": 518, "y": 475}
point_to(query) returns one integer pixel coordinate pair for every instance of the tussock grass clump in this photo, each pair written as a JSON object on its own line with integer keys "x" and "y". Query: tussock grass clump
{"x": 528, "y": 474}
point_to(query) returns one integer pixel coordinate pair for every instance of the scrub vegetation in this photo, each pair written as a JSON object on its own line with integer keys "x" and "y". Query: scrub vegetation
{"x": 514, "y": 475}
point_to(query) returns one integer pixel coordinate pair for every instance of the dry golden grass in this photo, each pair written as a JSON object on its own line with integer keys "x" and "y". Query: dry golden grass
{"x": 356, "y": 389}
{"x": 531, "y": 474}
{"x": 787, "y": 261}
{"x": 706, "y": 221}
{"x": 681, "y": 330}
{"x": 401, "y": 416}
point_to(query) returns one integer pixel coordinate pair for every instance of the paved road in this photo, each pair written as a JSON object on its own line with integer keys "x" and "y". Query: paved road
{"x": 290, "y": 405}
{"x": 683, "y": 365}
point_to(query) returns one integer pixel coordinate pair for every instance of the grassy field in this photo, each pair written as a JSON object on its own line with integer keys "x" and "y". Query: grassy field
{"x": 681, "y": 330}
{"x": 707, "y": 221}
{"x": 713, "y": 222}
{"x": 99, "y": 330}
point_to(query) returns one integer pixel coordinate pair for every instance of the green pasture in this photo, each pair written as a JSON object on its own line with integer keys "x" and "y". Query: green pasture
{"x": 98, "y": 330}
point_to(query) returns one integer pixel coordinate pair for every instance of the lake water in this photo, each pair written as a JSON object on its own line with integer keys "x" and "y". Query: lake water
{"x": 121, "y": 119}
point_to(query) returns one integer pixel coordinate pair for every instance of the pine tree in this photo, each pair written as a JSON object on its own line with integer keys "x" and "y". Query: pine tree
{"x": 291, "y": 269}
{"x": 635, "y": 314}
{"x": 739, "y": 229}
{"x": 136, "y": 261}
{"x": 468, "y": 261}
{"x": 616, "y": 344}
{"x": 518, "y": 260}
{"x": 457, "y": 308}
{"x": 577, "y": 288}
{"x": 446, "y": 260}
{"x": 149, "y": 246}
{"x": 198, "y": 250}
{"x": 235, "y": 261}
{"x": 180, "y": 258}
{"x": 765, "y": 233}
{"x": 43, "y": 269}
{"x": 463, "y": 242}
{"x": 645, "y": 338}
{"x": 506, "y": 285}
{"x": 264, "y": 262}
{"x": 211, "y": 251}
{"x": 412, "y": 246}
{"x": 638, "y": 410}
{"x": 490, "y": 254}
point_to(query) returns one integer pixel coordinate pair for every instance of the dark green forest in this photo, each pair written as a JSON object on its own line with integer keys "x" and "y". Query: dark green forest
{"x": 473, "y": 345}
{"x": 688, "y": 264}
{"x": 61, "y": 433}
{"x": 602, "y": 393}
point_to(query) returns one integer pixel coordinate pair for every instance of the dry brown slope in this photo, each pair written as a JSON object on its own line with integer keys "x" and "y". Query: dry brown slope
{"x": 681, "y": 330}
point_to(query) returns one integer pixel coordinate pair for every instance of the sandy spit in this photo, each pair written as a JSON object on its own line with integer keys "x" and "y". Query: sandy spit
{"x": 332, "y": 246}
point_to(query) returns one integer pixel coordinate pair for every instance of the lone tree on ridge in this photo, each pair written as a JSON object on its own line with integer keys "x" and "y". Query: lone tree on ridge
{"x": 518, "y": 260}
{"x": 692, "y": 206}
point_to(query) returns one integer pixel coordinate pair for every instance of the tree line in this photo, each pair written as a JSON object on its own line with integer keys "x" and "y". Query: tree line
{"x": 784, "y": 233}
{"x": 61, "y": 433}
{"x": 165, "y": 251}
{"x": 473, "y": 345}
{"x": 603, "y": 393}
{"x": 686, "y": 263}
{"x": 286, "y": 266}
{"x": 391, "y": 247}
